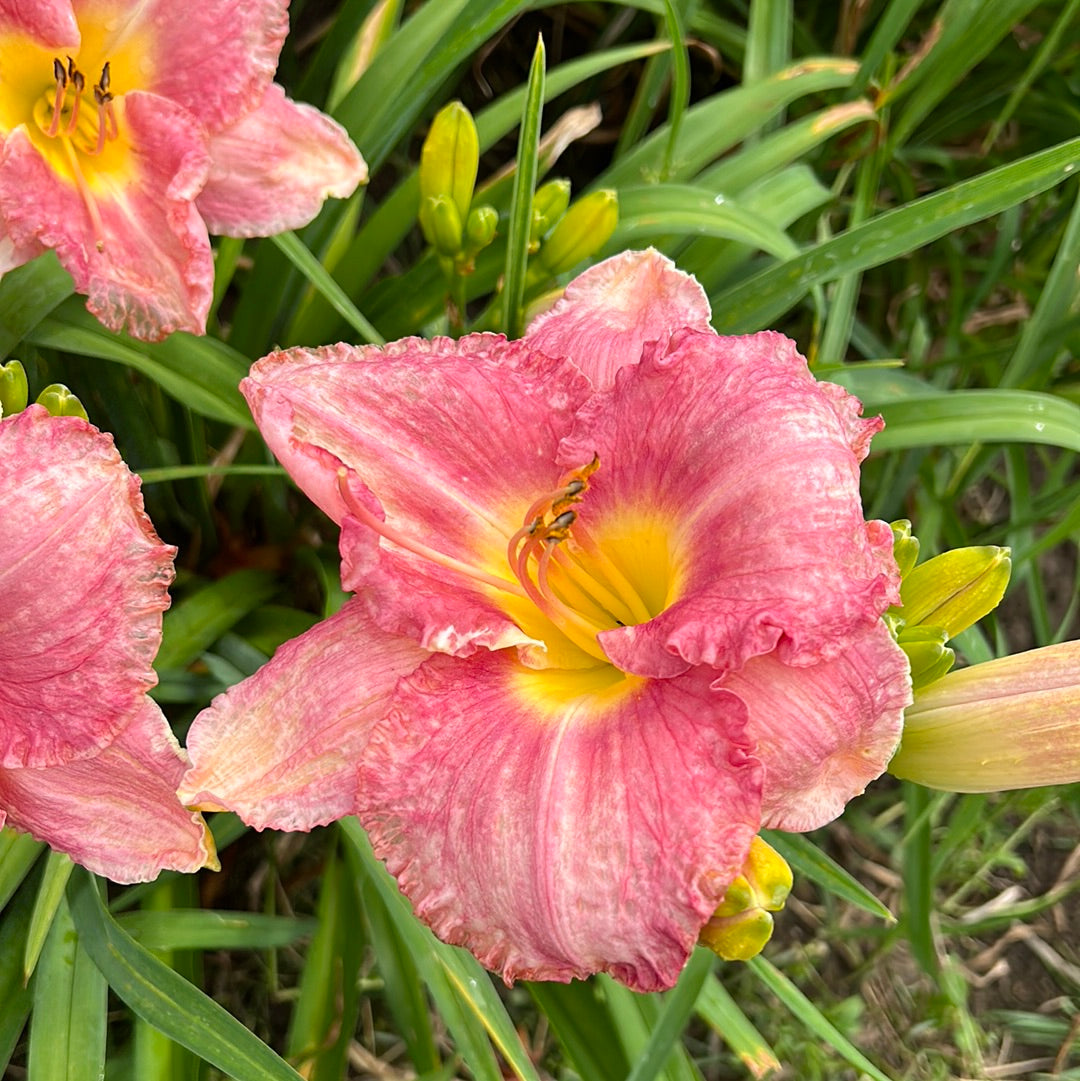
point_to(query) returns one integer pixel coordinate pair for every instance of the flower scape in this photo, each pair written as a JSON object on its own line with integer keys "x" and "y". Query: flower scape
{"x": 129, "y": 130}
{"x": 616, "y": 608}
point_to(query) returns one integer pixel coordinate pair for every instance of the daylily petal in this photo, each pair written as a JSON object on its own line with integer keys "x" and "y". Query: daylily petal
{"x": 50, "y": 22}
{"x": 83, "y": 582}
{"x": 281, "y": 748}
{"x": 1009, "y": 723}
{"x": 455, "y": 440}
{"x": 132, "y": 239}
{"x": 824, "y": 732}
{"x": 273, "y": 168}
{"x": 609, "y": 312}
{"x": 561, "y": 824}
{"x": 115, "y": 812}
{"x": 746, "y": 473}
{"x": 214, "y": 57}
{"x": 13, "y": 255}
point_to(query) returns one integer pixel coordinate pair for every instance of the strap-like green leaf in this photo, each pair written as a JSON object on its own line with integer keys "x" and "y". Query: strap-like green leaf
{"x": 517, "y": 244}
{"x": 165, "y": 999}
{"x": 755, "y": 303}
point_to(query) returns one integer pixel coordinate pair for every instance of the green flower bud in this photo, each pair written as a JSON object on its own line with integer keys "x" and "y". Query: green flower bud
{"x": 742, "y": 924}
{"x": 441, "y": 225}
{"x": 583, "y": 230}
{"x": 905, "y": 546}
{"x": 928, "y": 655}
{"x": 60, "y": 402}
{"x": 450, "y": 157}
{"x": 14, "y": 391}
{"x": 480, "y": 228}
{"x": 956, "y": 588}
{"x": 548, "y": 206}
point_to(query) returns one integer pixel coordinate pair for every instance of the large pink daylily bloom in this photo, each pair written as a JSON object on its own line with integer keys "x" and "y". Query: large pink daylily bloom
{"x": 128, "y": 128}
{"x": 616, "y": 609}
{"x": 87, "y": 761}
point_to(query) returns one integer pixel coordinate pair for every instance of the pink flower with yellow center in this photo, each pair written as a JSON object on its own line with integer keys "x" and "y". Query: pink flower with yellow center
{"x": 87, "y": 760}
{"x": 616, "y": 609}
{"x": 128, "y": 128}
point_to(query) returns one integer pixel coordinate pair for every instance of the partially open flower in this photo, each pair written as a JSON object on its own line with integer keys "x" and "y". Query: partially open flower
{"x": 128, "y": 129}
{"x": 616, "y": 608}
{"x": 87, "y": 760}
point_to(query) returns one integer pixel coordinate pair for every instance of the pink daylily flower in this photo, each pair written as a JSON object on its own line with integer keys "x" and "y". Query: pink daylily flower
{"x": 616, "y": 609}
{"x": 128, "y": 129}
{"x": 88, "y": 762}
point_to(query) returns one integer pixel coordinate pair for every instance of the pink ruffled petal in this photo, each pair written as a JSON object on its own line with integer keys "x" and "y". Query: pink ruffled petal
{"x": 748, "y": 473}
{"x": 823, "y": 733}
{"x": 83, "y": 582}
{"x": 273, "y": 168}
{"x": 136, "y": 244}
{"x": 214, "y": 57}
{"x": 115, "y": 812}
{"x": 51, "y": 23}
{"x": 281, "y": 748}
{"x": 453, "y": 441}
{"x": 610, "y": 311}
{"x": 561, "y": 824}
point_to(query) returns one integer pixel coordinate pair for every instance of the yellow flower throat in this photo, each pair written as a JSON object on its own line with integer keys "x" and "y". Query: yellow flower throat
{"x": 566, "y": 588}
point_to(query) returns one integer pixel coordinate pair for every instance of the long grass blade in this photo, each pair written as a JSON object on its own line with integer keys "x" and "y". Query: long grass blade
{"x": 517, "y": 243}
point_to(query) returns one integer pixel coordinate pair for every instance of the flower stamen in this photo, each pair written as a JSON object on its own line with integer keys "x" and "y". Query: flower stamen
{"x": 78, "y": 130}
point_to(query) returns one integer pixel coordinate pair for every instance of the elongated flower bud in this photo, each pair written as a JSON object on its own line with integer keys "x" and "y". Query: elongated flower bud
{"x": 450, "y": 158}
{"x": 584, "y": 229}
{"x": 548, "y": 206}
{"x": 1009, "y": 723}
{"x": 956, "y": 588}
{"x": 14, "y": 391}
{"x": 441, "y": 224}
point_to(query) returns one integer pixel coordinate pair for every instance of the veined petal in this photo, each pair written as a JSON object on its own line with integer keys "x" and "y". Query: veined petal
{"x": 214, "y": 58}
{"x": 609, "y": 312}
{"x": 1009, "y": 723}
{"x": 115, "y": 812}
{"x": 273, "y": 168}
{"x": 823, "y": 732}
{"x": 453, "y": 441}
{"x": 747, "y": 473}
{"x": 131, "y": 238}
{"x": 50, "y": 23}
{"x": 559, "y": 824}
{"x": 281, "y": 748}
{"x": 83, "y": 582}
